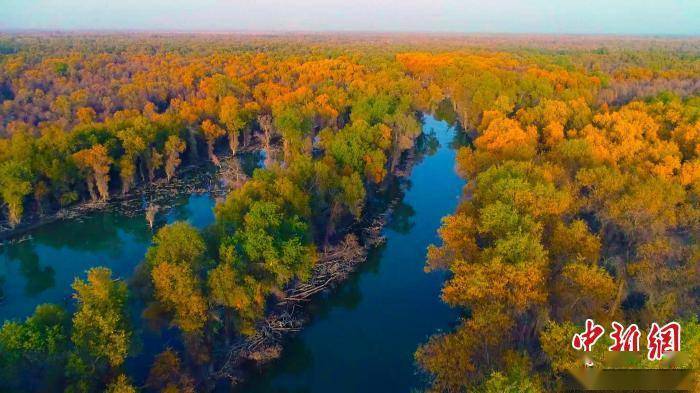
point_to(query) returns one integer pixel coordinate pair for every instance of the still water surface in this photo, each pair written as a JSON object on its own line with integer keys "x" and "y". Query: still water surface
{"x": 42, "y": 269}
{"x": 362, "y": 336}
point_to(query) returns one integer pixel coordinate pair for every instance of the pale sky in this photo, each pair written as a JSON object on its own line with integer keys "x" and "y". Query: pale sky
{"x": 677, "y": 17}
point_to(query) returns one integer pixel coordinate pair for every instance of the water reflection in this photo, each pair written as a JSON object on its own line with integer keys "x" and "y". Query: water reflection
{"x": 401, "y": 218}
{"x": 96, "y": 234}
{"x": 445, "y": 112}
{"x": 362, "y": 336}
{"x": 428, "y": 144}
{"x": 37, "y": 278}
{"x": 43, "y": 268}
{"x": 252, "y": 160}
{"x": 303, "y": 361}
{"x": 364, "y": 331}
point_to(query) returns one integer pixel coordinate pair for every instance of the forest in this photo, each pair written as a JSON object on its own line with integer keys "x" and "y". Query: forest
{"x": 582, "y": 197}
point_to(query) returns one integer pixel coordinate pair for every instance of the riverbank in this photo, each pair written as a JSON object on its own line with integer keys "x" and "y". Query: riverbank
{"x": 335, "y": 265}
{"x": 294, "y": 314}
{"x": 118, "y": 240}
{"x": 40, "y": 264}
{"x": 195, "y": 179}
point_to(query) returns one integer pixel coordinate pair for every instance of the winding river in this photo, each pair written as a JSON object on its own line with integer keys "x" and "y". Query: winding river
{"x": 362, "y": 336}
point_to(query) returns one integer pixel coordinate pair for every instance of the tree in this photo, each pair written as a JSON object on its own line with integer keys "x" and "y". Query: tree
{"x": 360, "y": 148}
{"x": 167, "y": 375}
{"x": 405, "y": 130}
{"x": 230, "y": 287}
{"x": 519, "y": 377}
{"x": 230, "y": 114}
{"x": 134, "y": 148}
{"x": 34, "y": 350}
{"x": 154, "y": 160}
{"x": 212, "y": 132}
{"x": 294, "y": 122}
{"x": 151, "y": 212}
{"x": 174, "y": 146}
{"x": 174, "y": 261}
{"x": 573, "y": 242}
{"x": 15, "y": 185}
{"x": 340, "y": 194}
{"x": 178, "y": 243}
{"x": 505, "y": 139}
{"x": 266, "y": 125}
{"x": 179, "y": 291}
{"x": 101, "y": 332}
{"x": 85, "y": 115}
{"x": 95, "y": 163}
{"x": 276, "y": 245}
{"x": 456, "y": 361}
{"x": 121, "y": 385}
{"x": 584, "y": 291}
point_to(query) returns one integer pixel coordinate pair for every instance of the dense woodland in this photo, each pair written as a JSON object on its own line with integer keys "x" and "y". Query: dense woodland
{"x": 582, "y": 198}
{"x": 575, "y": 208}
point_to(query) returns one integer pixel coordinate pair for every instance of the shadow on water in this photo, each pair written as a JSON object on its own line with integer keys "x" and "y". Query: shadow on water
{"x": 362, "y": 336}
{"x": 251, "y": 161}
{"x": 301, "y": 356}
{"x": 42, "y": 269}
{"x": 400, "y": 221}
{"x": 37, "y": 278}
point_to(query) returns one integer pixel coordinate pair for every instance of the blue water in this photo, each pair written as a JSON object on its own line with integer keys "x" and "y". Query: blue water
{"x": 41, "y": 270}
{"x": 362, "y": 337}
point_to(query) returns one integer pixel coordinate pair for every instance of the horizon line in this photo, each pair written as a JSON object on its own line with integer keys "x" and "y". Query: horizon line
{"x": 283, "y": 32}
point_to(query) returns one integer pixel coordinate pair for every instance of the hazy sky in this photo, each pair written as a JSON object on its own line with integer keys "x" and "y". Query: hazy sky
{"x": 508, "y": 16}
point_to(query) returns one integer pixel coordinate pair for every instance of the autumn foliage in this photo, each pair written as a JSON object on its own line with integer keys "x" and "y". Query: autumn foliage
{"x": 582, "y": 196}
{"x": 574, "y": 210}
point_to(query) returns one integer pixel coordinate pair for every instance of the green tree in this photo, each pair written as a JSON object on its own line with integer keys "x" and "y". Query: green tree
{"x": 15, "y": 185}
{"x": 275, "y": 246}
{"x": 101, "y": 332}
{"x": 33, "y": 351}
{"x": 175, "y": 261}
{"x": 179, "y": 243}
{"x": 121, "y": 385}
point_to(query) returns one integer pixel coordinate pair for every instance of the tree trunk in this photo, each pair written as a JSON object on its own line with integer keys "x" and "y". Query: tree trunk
{"x": 91, "y": 187}
{"x": 395, "y": 153}
{"x": 286, "y": 149}
{"x": 151, "y": 214}
{"x": 212, "y": 156}
{"x": 193, "y": 144}
{"x": 233, "y": 142}
{"x": 102, "y": 186}
{"x": 125, "y": 186}
{"x": 330, "y": 225}
{"x": 246, "y": 137}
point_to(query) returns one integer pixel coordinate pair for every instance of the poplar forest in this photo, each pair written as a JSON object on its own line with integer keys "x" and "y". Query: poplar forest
{"x": 581, "y": 160}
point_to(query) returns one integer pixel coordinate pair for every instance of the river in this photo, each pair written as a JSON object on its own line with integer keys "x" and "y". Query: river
{"x": 362, "y": 336}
